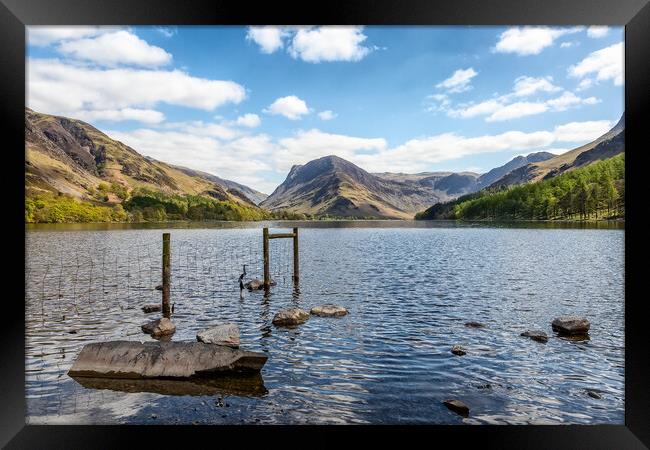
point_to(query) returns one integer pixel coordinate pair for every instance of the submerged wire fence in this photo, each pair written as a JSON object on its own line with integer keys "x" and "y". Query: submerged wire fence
{"x": 100, "y": 277}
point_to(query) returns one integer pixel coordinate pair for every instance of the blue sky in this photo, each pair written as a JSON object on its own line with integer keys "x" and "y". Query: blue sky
{"x": 246, "y": 103}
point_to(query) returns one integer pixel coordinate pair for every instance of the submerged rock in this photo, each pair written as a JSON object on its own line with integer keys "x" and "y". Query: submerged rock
{"x": 256, "y": 285}
{"x": 458, "y": 350}
{"x": 571, "y": 325}
{"x": 536, "y": 335}
{"x": 457, "y": 406}
{"x": 329, "y": 311}
{"x": 152, "y": 308}
{"x": 474, "y": 325}
{"x": 227, "y": 334}
{"x": 594, "y": 394}
{"x": 290, "y": 317}
{"x": 138, "y": 360}
{"x": 159, "y": 287}
{"x": 159, "y": 327}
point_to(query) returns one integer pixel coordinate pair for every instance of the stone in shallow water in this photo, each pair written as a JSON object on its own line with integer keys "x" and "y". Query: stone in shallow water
{"x": 457, "y": 406}
{"x": 329, "y": 311}
{"x": 290, "y": 317}
{"x": 458, "y": 350}
{"x": 152, "y": 308}
{"x": 227, "y": 334}
{"x": 474, "y": 325}
{"x": 256, "y": 285}
{"x": 536, "y": 335}
{"x": 571, "y": 325}
{"x": 159, "y": 327}
{"x": 125, "y": 359}
{"x": 159, "y": 287}
{"x": 594, "y": 394}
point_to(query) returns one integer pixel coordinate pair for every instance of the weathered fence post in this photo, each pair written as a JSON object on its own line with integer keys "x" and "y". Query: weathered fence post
{"x": 296, "y": 259}
{"x": 265, "y": 246}
{"x": 166, "y": 275}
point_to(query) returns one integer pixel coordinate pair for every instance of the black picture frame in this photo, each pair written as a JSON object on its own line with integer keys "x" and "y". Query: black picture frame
{"x": 16, "y": 14}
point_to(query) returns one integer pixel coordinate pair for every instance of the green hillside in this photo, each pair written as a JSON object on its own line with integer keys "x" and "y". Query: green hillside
{"x": 596, "y": 191}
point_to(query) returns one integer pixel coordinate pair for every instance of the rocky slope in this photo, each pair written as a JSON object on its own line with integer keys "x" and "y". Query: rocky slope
{"x": 70, "y": 156}
{"x": 609, "y": 144}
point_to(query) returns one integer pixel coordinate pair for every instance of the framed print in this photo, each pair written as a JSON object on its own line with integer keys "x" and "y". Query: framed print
{"x": 414, "y": 217}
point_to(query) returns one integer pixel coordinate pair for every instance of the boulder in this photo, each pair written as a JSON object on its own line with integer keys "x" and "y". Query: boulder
{"x": 170, "y": 360}
{"x": 536, "y": 335}
{"x": 256, "y": 285}
{"x": 458, "y": 350}
{"x": 227, "y": 334}
{"x": 159, "y": 327}
{"x": 290, "y": 317}
{"x": 329, "y": 311}
{"x": 457, "y": 406}
{"x": 152, "y": 308}
{"x": 474, "y": 325}
{"x": 571, "y": 325}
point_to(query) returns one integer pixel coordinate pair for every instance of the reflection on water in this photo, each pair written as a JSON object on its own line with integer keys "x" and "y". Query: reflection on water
{"x": 409, "y": 289}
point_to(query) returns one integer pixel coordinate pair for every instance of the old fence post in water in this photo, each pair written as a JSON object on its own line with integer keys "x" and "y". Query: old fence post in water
{"x": 296, "y": 262}
{"x": 166, "y": 275}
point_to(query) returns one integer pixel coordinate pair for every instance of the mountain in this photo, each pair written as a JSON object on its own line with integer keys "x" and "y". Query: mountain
{"x": 334, "y": 186}
{"x": 609, "y": 144}
{"x": 69, "y": 156}
{"x": 498, "y": 172}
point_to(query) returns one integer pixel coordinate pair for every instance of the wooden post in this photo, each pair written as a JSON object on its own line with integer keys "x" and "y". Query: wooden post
{"x": 166, "y": 275}
{"x": 296, "y": 259}
{"x": 265, "y": 247}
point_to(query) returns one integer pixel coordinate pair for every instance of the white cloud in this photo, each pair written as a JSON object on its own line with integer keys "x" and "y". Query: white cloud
{"x": 568, "y": 99}
{"x": 568, "y": 44}
{"x": 479, "y": 109}
{"x": 167, "y": 31}
{"x": 530, "y": 40}
{"x": 118, "y": 47}
{"x": 58, "y": 88}
{"x": 248, "y": 120}
{"x": 517, "y": 110}
{"x": 269, "y": 38}
{"x": 327, "y": 115}
{"x": 584, "y": 84}
{"x": 200, "y": 128}
{"x": 582, "y": 131}
{"x": 597, "y": 31}
{"x": 291, "y": 107}
{"x": 525, "y": 86}
{"x": 606, "y": 64}
{"x": 459, "y": 81}
{"x": 39, "y": 35}
{"x": 118, "y": 115}
{"x": 330, "y": 43}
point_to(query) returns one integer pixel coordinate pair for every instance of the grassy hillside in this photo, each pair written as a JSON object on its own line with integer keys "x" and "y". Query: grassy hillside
{"x": 593, "y": 192}
{"x": 76, "y": 173}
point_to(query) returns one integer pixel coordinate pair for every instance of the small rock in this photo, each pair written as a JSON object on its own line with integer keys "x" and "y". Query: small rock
{"x": 458, "y": 350}
{"x": 72, "y": 332}
{"x": 536, "y": 335}
{"x": 160, "y": 327}
{"x": 227, "y": 334}
{"x": 474, "y": 325}
{"x": 154, "y": 416}
{"x": 457, "y": 406}
{"x": 594, "y": 394}
{"x": 290, "y": 317}
{"x": 329, "y": 311}
{"x": 152, "y": 308}
{"x": 159, "y": 287}
{"x": 256, "y": 285}
{"x": 571, "y": 325}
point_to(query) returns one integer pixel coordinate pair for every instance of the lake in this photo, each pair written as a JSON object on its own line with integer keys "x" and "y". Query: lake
{"x": 409, "y": 288}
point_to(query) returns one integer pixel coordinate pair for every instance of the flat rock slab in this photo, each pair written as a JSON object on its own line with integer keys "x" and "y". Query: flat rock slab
{"x": 536, "y": 335}
{"x": 457, "y": 406}
{"x": 226, "y": 334}
{"x": 152, "y": 308}
{"x": 571, "y": 325}
{"x": 474, "y": 325}
{"x": 329, "y": 311}
{"x": 159, "y": 327}
{"x": 174, "y": 360}
{"x": 290, "y": 317}
{"x": 458, "y": 350}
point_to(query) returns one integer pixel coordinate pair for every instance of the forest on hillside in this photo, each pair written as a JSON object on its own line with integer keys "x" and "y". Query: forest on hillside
{"x": 596, "y": 191}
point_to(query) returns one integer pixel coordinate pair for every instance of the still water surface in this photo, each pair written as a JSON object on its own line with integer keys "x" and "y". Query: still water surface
{"x": 409, "y": 287}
